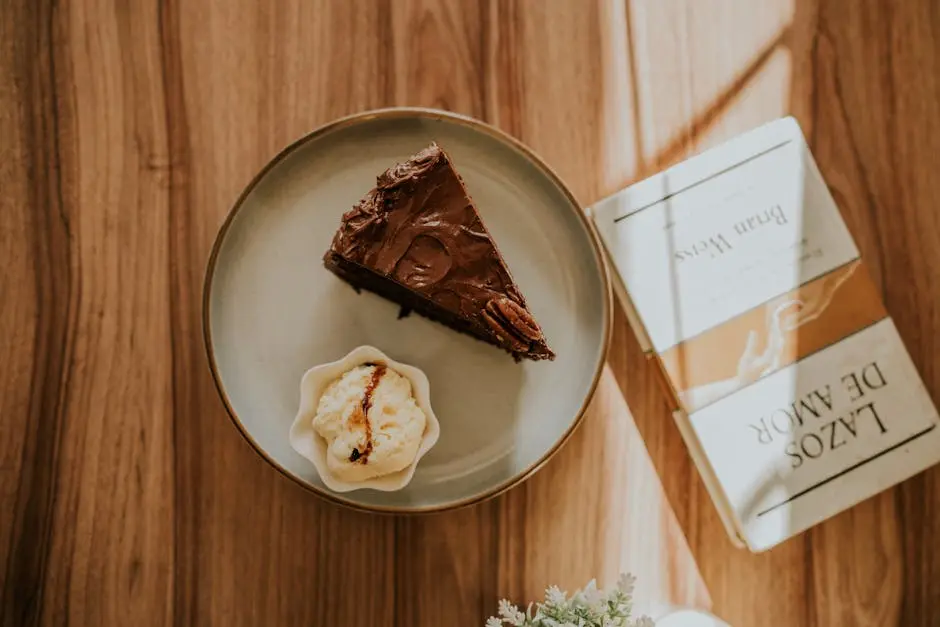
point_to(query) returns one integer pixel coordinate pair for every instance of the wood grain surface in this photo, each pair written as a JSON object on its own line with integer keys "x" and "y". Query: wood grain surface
{"x": 128, "y": 128}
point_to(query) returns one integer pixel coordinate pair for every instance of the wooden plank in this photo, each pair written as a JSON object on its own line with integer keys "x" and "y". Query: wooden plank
{"x": 694, "y": 89}
{"x": 494, "y": 553}
{"x": 871, "y": 100}
{"x": 572, "y": 55}
{"x": 93, "y": 531}
{"x": 29, "y": 385}
{"x": 253, "y": 548}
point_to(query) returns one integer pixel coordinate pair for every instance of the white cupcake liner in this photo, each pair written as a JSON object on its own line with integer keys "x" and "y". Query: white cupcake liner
{"x": 307, "y": 442}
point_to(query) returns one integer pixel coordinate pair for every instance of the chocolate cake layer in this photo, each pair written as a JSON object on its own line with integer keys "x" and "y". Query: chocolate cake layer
{"x": 417, "y": 239}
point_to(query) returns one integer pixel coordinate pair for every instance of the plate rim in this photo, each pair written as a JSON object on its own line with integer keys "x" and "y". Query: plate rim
{"x": 391, "y": 113}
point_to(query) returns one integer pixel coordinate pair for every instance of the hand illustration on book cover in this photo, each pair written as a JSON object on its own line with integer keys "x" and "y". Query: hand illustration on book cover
{"x": 704, "y": 369}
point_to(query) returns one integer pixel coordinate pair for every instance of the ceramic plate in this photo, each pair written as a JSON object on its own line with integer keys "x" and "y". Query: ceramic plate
{"x": 271, "y": 310}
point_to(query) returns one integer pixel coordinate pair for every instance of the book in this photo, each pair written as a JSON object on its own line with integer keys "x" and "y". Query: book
{"x": 789, "y": 381}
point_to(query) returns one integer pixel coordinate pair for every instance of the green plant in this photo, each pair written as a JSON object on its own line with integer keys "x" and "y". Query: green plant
{"x": 589, "y": 607}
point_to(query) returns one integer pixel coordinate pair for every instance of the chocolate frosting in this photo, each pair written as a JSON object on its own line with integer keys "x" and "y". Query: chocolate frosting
{"x": 419, "y": 227}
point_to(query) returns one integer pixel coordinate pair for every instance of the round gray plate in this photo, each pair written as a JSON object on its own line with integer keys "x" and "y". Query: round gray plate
{"x": 272, "y": 311}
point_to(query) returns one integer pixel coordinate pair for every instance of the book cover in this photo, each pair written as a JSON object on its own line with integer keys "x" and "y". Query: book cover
{"x": 792, "y": 387}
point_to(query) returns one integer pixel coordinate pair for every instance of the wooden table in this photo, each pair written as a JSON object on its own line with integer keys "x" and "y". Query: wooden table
{"x": 127, "y": 130}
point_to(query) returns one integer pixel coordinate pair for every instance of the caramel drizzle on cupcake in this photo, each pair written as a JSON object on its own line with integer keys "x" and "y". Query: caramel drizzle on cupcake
{"x": 360, "y": 415}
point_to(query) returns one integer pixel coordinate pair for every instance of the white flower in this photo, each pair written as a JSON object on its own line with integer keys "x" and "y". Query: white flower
{"x": 492, "y": 621}
{"x": 644, "y": 621}
{"x": 554, "y": 596}
{"x": 511, "y": 614}
{"x": 591, "y": 593}
{"x": 625, "y": 583}
{"x": 589, "y": 596}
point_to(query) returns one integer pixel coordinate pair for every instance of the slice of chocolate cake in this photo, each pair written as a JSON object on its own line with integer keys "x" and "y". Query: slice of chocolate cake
{"x": 417, "y": 240}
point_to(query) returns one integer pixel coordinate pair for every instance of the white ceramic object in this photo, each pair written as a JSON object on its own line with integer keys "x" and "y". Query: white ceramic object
{"x": 305, "y": 440}
{"x": 690, "y": 618}
{"x": 271, "y": 310}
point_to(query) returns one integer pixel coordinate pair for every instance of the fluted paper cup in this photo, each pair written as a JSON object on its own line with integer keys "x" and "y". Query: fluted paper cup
{"x": 307, "y": 442}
